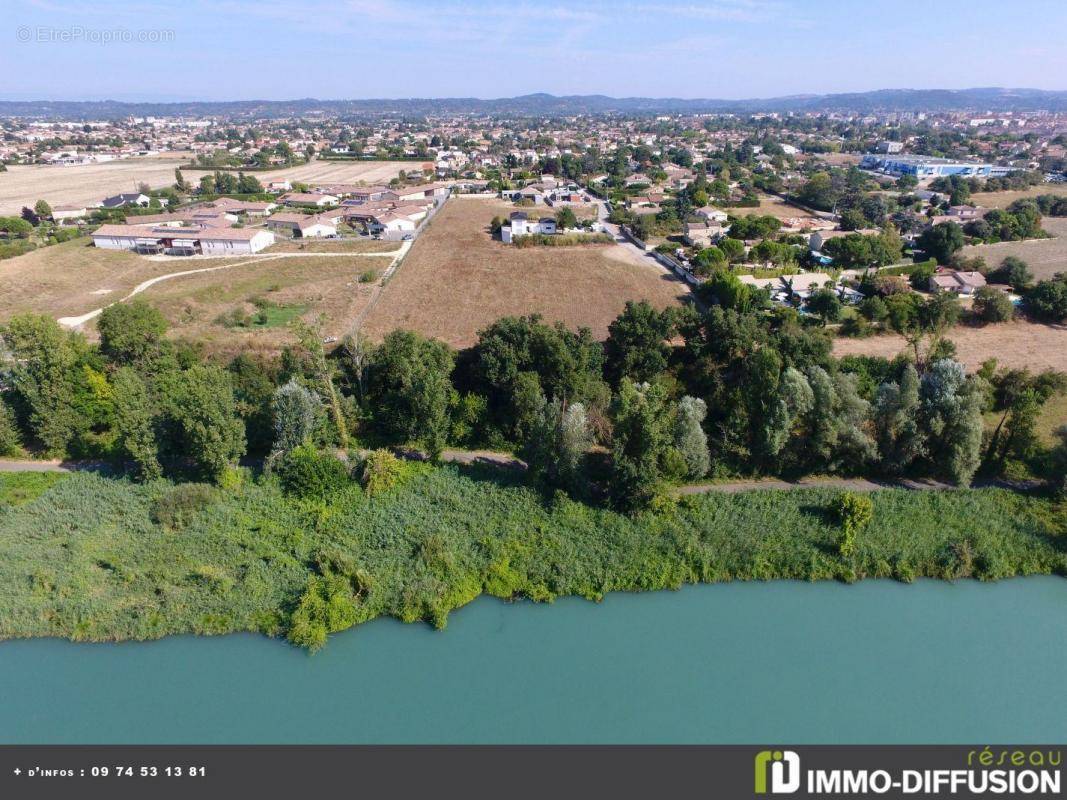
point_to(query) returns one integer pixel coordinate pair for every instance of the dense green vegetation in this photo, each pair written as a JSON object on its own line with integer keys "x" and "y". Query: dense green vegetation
{"x": 330, "y": 528}
{"x": 99, "y": 558}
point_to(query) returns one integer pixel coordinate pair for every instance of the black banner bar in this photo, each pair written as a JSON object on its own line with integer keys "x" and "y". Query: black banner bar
{"x": 29, "y": 772}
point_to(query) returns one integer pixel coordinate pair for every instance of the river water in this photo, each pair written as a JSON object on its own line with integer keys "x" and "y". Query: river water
{"x": 877, "y": 662}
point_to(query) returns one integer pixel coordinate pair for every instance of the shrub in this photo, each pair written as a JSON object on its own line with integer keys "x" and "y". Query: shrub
{"x": 381, "y": 471}
{"x": 992, "y": 305}
{"x": 853, "y": 512}
{"x": 326, "y": 606}
{"x": 856, "y": 327}
{"x": 233, "y": 479}
{"x": 178, "y": 506}
{"x": 309, "y": 474}
{"x": 561, "y": 239}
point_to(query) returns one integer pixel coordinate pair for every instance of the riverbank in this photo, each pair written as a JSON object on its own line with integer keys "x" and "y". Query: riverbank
{"x": 87, "y": 557}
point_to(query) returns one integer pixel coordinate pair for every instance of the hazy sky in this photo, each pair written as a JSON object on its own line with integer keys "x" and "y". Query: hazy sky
{"x": 229, "y": 49}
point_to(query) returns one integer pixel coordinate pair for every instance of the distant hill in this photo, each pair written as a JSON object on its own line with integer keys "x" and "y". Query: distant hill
{"x": 982, "y": 100}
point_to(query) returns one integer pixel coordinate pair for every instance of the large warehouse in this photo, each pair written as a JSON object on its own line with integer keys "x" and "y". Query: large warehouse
{"x": 923, "y": 167}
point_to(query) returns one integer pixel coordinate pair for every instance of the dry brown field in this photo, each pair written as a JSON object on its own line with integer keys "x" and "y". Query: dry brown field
{"x": 1046, "y": 257}
{"x": 369, "y": 172}
{"x": 1005, "y": 199}
{"x": 83, "y": 184}
{"x": 90, "y": 183}
{"x": 456, "y": 280}
{"x": 770, "y": 206}
{"x": 1012, "y": 344}
{"x": 327, "y": 287}
{"x": 74, "y": 278}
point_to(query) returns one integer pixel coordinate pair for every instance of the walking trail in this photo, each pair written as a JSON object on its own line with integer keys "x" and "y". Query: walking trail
{"x": 510, "y": 462}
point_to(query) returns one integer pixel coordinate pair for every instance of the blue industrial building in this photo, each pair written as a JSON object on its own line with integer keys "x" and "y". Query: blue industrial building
{"x": 923, "y": 167}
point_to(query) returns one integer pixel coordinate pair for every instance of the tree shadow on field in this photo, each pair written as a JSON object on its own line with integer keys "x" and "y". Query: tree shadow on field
{"x": 828, "y": 519}
{"x": 488, "y": 471}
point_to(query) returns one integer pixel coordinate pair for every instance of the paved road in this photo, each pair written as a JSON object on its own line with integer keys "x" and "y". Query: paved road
{"x": 637, "y": 255}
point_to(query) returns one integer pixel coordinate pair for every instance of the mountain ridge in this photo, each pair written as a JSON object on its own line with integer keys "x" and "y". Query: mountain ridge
{"x": 979, "y": 99}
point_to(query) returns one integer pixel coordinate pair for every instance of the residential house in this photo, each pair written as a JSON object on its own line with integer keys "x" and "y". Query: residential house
{"x": 963, "y": 282}
{"x": 303, "y": 226}
{"x": 519, "y": 224}
{"x": 308, "y": 199}
{"x": 126, "y": 199}
{"x": 365, "y": 194}
{"x": 712, "y": 215}
{"x": 701, "y": 234}
{"x": 247, "y": 207}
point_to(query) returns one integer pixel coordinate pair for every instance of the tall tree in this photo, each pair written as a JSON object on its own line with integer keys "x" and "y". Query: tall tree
{"x": 323, "y": 373}
{"x": 203, "y": 412}
{"x": 637, "y": 344}
{"x": 410, "y": 389}
{"x": 131, "y": 333}
{"x": 896, "y": 417}
{"x": 136, "y": 418}
{"x": 951, "y": 407}
{"x": 47, "y": 369}
{"x": 689, "y": 437}
{"x": 296, "y": 412}
{"x": 643, "y": 438}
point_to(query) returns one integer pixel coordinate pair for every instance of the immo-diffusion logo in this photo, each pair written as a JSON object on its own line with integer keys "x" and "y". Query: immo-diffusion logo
{"x": 784, "y": 769}
{"x": 1015, "y": 772}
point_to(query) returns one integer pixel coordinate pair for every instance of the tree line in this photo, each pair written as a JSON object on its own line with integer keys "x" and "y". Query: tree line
{"x": 671, "y": 396}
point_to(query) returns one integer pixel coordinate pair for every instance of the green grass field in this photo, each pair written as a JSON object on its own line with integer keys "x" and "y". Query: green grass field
{"x": 94, "y": 558}
{"x": 17, "y": 488}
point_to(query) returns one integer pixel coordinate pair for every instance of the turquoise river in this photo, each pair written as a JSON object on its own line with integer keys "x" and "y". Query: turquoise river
{"x": 877, "y": 662}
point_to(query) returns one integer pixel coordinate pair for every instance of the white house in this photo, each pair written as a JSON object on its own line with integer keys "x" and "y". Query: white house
{"x": 126, "y": 199}
{"x": 230, "y": 241}
{"x": 957, "y": 281}
{"x": 391, "y": 222}
{"x": 521, "y": 225}
{"x": 303, "y": 226}
{"x": 712, "y": 215}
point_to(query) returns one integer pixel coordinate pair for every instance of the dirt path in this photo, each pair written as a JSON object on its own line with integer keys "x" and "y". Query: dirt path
{"x": 510, "y": 462}
{"x": 379, "y": 287}
{"x": 396, "y": 255}
{"x": 74, "y": 322}
{"x": 846, "y": 484}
